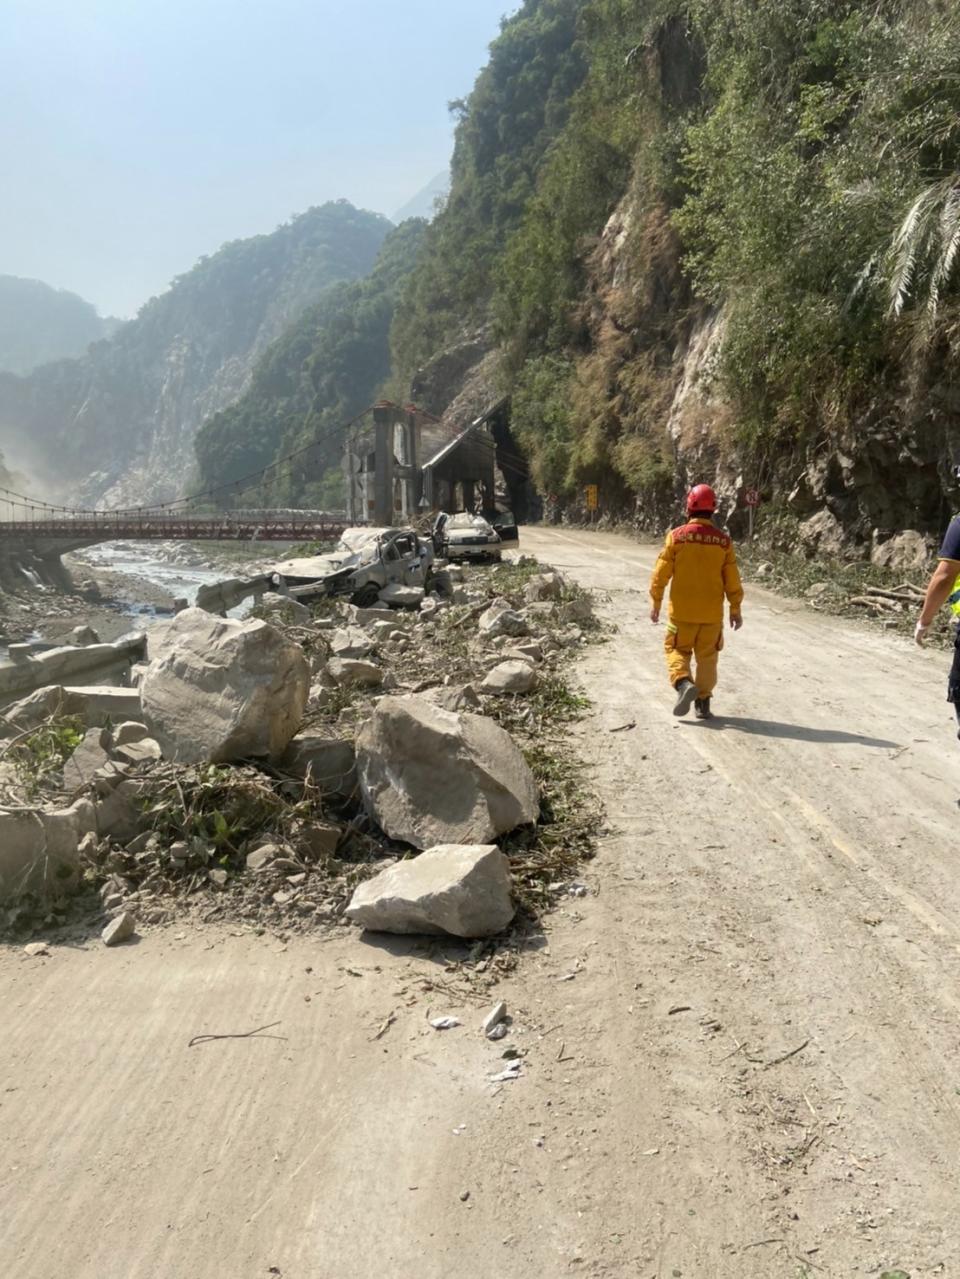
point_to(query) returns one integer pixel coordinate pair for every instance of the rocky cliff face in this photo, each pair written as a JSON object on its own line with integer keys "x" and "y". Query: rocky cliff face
{"x": 876, "y": 487}
{"x": 734, "y": 260}
{"x": 117, "y": 427}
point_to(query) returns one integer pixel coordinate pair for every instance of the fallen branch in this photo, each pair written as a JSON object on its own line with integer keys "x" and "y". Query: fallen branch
{"x": 875, "y": 605}
{"x": 786, "y": 1056}
{"x": 899, "y": 594}
{"x": 247, "y": 1034}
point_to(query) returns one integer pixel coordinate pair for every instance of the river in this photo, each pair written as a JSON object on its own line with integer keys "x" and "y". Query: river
{"x": 137, "y": 583}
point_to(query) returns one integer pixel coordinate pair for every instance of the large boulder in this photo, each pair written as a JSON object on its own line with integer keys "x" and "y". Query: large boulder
{"x": 431, "y": 776}
{"x": 460, "y": 889}
{"x": 39, "y": 849}
{"x": 221, "y": 690}
{"x": 514, "y": 676}
{"x": 906, "y": 552}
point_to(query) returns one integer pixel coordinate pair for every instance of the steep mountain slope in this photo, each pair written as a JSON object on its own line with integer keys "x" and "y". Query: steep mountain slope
{"x": 118, "y": 426}
{"x": 39, "y": 324}
{"x": 326, "y": 368}
{"x": 726, "y": 248}
{"x": 423, "y": 204}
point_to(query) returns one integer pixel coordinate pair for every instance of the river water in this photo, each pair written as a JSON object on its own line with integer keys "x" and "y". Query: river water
{"x": 141, "y": 580}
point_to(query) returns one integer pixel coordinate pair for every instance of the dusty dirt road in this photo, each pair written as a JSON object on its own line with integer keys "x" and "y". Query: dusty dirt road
{"x": 742, "y": 1046}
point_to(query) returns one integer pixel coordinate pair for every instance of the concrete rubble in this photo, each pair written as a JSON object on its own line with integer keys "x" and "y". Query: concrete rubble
{"x": 221, "y": 690}
{"x": 501, "y": 619}
{"x": 95, "y": 705}
{"x": 29, "y": 670}
{"x": 388, "y": 743}
{"x": 459, "y": 889}
{"x": 39, "y": 849}
{"x": 430, "y": 776}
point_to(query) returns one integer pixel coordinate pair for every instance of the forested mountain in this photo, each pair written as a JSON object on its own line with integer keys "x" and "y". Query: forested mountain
{"x": 715, "y": 238}
{"x": 39, "y": 324}
{"x": 693, "y": 239}
{"x": 327, "y": 367}
{"x": 118, "y": 425}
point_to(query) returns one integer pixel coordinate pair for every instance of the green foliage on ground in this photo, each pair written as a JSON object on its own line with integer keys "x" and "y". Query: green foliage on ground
{"x": 324, "y": 370}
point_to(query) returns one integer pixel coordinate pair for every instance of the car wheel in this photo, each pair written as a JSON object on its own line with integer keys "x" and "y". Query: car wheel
{"x": 367, "y": 595}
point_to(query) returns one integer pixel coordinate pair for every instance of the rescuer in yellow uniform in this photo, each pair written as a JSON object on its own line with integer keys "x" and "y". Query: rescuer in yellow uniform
{"x": 699, "y": 559}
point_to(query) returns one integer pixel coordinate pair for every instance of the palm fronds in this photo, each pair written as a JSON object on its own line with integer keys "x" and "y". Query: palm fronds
{"x": 918, "y": 264}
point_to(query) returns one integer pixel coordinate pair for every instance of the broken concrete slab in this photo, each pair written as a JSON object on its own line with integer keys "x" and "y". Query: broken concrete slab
{"x": 95, "y": 705}
{"x": 221, "y": 690}
{"x": 431, "y": 776}
{"x": 459, "y": 889}
{"x": 69, "y": 665}
{"x": 515, "y": 676}
{"x": 39, "y": 849}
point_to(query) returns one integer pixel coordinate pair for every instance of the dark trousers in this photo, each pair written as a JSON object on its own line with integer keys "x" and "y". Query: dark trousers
{"x": 953, "y": 683}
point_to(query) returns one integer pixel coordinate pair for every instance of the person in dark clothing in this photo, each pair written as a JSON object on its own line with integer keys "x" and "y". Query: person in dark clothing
{"x": 944, "y": 588}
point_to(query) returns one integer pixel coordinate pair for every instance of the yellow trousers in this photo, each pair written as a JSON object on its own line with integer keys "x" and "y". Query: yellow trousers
{"x": 702, "y": 640}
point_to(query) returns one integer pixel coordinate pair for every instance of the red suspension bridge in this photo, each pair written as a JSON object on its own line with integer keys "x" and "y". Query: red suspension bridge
{"x": 55, "y": 534}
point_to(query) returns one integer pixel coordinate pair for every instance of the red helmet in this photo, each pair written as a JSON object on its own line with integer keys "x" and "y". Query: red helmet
{"x": 701, "y": 500}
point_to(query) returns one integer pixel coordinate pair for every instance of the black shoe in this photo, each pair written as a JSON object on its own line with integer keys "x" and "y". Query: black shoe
{"x": 701, "y": 708}
{"x": 686, "y": 694}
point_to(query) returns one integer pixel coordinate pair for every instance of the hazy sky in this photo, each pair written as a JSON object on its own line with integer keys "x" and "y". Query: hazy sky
{"x": 136, "y": 135}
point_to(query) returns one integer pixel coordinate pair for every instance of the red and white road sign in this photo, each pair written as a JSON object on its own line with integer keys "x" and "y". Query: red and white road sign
{"x": 752, "y": 497}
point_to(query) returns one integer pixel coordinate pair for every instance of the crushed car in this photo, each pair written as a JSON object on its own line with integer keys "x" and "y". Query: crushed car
{"x": 505, "y": 524}
{"x": 364, "y": 562}
{"x": 465, "y": 537}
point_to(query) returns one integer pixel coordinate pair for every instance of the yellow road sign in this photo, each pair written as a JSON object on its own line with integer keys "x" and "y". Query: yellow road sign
{"x": 592, "y": 494}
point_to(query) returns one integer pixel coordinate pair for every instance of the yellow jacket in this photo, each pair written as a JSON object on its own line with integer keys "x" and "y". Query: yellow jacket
{"x": 700, "y": 559}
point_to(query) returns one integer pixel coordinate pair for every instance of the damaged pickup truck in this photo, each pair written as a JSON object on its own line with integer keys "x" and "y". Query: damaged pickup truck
{"x": 364, "y": 562}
